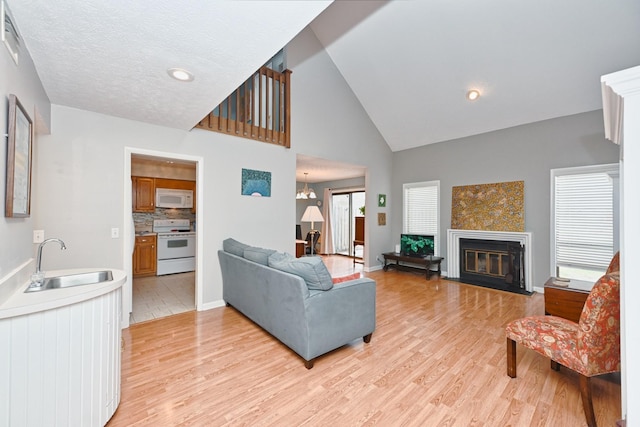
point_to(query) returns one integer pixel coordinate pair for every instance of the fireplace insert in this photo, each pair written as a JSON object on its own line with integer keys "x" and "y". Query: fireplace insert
{"x": 493, "y": 263}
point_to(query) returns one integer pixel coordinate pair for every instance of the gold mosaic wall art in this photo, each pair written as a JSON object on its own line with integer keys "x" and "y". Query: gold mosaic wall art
{"x": 489, "y": 207}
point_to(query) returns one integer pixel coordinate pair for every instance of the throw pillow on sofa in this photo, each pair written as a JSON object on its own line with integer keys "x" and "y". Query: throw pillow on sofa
{"x": 311, "y": 269}
{"x": 234, "y": 247}
{"x": 259, "y": 255}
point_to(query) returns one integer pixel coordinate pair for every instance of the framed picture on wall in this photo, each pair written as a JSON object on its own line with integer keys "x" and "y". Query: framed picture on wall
{"x": 256, "y": 183}
{"x": 20, "y": 142}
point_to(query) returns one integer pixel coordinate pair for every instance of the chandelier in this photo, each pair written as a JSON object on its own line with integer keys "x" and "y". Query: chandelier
{"x": 305, "y": 192}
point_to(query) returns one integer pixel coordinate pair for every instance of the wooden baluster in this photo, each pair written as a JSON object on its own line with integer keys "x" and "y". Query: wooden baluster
{"x": 287, "y": 100}
{"x": 214, "y": 121}
{"x": 260, "y": 127}
{"x": 277, "y": 87}
{"x": 245, "y": 106}
{"x": 225, "y": 120}
{"x": 267, "y": 104}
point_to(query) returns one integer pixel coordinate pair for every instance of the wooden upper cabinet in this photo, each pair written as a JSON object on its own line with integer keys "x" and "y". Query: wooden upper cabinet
{"x": 143, "y": 193}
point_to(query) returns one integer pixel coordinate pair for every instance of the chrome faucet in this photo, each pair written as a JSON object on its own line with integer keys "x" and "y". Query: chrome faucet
{"x": 38, "y": 278}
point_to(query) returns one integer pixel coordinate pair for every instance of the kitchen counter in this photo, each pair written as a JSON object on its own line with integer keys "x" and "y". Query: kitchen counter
{"x": 21, "y": 303}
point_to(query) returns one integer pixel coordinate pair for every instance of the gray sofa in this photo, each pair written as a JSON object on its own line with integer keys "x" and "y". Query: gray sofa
{"x": 309, "y": 321}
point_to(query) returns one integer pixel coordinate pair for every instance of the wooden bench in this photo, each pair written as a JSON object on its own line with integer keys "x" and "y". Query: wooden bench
{"x": 420, "y": 264}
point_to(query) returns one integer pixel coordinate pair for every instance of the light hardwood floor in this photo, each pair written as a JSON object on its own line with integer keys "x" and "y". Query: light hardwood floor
{"x": 437, "y": 358}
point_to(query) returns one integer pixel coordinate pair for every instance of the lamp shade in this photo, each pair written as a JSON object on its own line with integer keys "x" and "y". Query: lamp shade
{"x": 312, "y": 214}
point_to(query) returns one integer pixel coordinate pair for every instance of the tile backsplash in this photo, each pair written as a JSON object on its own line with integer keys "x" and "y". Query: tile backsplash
{"x": 143, "y": 221}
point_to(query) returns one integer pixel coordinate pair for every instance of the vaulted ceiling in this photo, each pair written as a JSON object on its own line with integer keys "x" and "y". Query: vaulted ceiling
{"x": 410, "y": 63}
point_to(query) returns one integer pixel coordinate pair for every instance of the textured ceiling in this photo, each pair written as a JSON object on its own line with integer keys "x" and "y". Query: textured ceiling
{"x": 112, "y": 56}
{"x": 410, "y": 63}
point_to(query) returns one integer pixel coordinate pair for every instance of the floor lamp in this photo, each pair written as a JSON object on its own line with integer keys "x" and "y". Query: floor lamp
{"x": 312, "y": 214}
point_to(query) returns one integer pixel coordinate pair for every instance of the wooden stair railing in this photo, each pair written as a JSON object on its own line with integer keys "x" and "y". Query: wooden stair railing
{"x": 259, "y": 109}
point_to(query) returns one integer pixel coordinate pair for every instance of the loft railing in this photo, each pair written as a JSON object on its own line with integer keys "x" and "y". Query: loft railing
{"x": 259, "y": 109}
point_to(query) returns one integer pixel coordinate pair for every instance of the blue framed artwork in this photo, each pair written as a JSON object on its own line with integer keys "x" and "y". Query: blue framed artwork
{"x": 256, "y": 183}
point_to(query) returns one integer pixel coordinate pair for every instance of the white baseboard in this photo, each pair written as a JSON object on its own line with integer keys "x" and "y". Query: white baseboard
{"x": 210, "y": 305}
{"x": 374, "y": 268}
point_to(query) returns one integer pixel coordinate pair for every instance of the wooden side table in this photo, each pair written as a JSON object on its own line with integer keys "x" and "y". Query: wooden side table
{"x": 566, "y": 301}
{"x": 301, "y": 246}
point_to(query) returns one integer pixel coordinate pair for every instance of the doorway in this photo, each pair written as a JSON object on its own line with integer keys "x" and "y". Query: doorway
{"x": 158, "y": 296}
{"x": 346, "y": 207}
{"x": 159, "y": 290}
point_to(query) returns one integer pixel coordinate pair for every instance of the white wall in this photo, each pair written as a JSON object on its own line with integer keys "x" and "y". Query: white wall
{"x": 21, "y": 80}
{"x": 80, "y": 188}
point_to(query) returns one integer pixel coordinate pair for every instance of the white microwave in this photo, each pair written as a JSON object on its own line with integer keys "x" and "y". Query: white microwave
{"x": 172, "y": 198}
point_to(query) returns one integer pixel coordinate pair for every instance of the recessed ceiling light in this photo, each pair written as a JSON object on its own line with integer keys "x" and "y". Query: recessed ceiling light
{"x": 473, "y": 94}
{"x": 180, "y": 74}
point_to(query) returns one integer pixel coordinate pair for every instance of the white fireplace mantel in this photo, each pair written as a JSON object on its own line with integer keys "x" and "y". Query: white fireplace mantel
{"x": 453, "y": 249}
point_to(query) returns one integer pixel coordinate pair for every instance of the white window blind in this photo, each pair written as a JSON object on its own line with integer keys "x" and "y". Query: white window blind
{"x": 584, "y": 217}
{"x": 421, "y": 209}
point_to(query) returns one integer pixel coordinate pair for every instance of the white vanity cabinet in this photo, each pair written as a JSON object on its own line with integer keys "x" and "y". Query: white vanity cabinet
{"x": 61, "y": 366}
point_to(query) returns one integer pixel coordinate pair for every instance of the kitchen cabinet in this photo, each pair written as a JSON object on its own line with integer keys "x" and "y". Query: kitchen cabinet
{"x": 143, "y": 192}
{"x": 145, "y": 257}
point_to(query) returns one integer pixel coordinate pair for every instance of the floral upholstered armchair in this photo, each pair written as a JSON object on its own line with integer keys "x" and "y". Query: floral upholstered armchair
{"x": 614, "y": 265}
{"x": 590, "y": 347}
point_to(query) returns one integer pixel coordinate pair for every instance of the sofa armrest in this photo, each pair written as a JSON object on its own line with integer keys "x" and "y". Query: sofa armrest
{"x": 340, "y": 315}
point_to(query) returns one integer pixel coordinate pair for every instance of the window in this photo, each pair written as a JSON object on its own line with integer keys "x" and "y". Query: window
{"x": 584, "y": 220}
{"x": 421, "y": 210}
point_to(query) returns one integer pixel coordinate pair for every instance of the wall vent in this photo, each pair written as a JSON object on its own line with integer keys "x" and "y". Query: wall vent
{"x": 10, "y": 35}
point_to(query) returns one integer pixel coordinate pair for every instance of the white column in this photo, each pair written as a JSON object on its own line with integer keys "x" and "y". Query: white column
{"x": 621, "y": 104}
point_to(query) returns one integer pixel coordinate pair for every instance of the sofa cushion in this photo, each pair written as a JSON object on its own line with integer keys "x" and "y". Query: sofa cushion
{"x": 259, "y": 255}
{"x": 311, "y": 269}
{"x": 352, "y": 276}
{"x": 234, "y": 247}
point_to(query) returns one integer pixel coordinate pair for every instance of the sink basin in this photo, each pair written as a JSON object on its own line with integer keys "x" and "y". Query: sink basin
{"x": 70, "y": 280}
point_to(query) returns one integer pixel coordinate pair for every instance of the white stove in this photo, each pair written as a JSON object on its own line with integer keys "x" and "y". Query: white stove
{"x": 176, "y": 246}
